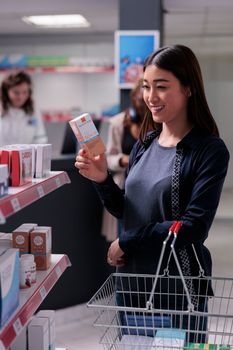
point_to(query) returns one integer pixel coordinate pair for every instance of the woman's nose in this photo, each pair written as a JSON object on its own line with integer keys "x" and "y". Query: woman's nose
{"x": 153, "y": 96}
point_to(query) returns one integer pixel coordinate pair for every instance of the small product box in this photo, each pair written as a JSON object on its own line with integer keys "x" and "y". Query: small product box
{"x": 21, "y": 166}
{"x": 87, "y": 135}
{"x": 9, "y": 284}
{"x": 20, "y": 342}
{"x": 21, "y": 237}
{"x": 50, "y": 315}
{"x": 38, "y": 334}
{"x": 3, "y": 179}
{"x": 169, "y": 339}
{"x": 41, "y": 246}
{"x": 42, "y": 160}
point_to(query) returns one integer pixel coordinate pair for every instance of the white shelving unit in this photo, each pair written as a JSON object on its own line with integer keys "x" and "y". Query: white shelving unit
{"x": 31, "y": 298}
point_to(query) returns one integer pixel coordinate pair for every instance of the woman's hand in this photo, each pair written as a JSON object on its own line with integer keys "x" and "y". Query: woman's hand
{"x": 94, "y": 169}
{"x": 115, "y": 254}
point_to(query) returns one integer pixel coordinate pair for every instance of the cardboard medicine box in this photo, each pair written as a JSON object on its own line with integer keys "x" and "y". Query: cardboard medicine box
{"x": 41, "y": 245}
{"x": 87, "y": 135}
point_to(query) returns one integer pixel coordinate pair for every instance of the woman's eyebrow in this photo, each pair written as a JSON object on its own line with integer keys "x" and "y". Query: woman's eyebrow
{"x": 158, "y": 80}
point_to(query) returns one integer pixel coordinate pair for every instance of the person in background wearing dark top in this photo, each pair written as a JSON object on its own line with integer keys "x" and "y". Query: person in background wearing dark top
{"x": 175, "y": 173}
{"x": 123, "y": 132}
{"x": 18, "y": 122}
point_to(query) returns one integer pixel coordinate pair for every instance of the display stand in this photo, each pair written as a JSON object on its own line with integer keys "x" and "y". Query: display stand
{"x": 31, "y": 298}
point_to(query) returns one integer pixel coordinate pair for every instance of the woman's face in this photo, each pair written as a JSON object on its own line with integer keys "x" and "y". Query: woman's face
{"x": 164, "y": 95}
{"x": 19, "y": 94}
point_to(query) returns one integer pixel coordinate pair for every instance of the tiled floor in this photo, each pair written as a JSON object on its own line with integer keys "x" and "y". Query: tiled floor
{"x": 74, "y": 325}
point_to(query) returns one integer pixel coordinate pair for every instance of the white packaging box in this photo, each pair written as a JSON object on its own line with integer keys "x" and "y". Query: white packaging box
{"x": 20, "y": 342}
{"x": 43, "y": 159}
{"x": 9, "y": 284}
{"x": 3, "y": 179}
{"x": 38, "y": 334}
{"x": 50, "y": 315}
{"x": 169, "y": 339}
{"x": 87, "y": 134}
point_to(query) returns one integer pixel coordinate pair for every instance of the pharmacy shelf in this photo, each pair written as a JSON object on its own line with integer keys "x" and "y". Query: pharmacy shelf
{"x": 64, "y": 69}
{"x": 20, "y": 197}
{"x": 31, "y": 298}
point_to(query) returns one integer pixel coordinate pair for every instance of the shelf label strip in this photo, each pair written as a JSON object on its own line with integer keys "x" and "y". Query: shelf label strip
{"x": 43, "y": 292}
{"x": 40, "y": 191}
{"x": 15, "y": 204}
{"x": 2, "y": 220}
{"x": 17, "y": 325}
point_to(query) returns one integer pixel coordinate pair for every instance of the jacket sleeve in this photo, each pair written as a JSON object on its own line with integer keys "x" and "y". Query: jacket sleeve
{"x": 210, "y": 169}
{"x": 111, "y": 196}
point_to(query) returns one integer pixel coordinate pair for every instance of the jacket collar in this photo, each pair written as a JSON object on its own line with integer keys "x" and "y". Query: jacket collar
{"x": 192, "y": 140}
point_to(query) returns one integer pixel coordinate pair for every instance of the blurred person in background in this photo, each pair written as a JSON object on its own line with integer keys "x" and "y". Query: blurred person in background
{"x": 18, "y": 122}
{"x": 123, "y": 132}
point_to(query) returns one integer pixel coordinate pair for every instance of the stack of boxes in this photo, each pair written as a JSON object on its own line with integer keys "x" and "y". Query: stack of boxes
{"x": 24, "y": 162}
{"x": 36, "y": 240}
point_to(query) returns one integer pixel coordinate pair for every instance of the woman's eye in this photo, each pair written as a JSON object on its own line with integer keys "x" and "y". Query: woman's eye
{"x": 145, "y": 86}
{"x": 161, "y": 87}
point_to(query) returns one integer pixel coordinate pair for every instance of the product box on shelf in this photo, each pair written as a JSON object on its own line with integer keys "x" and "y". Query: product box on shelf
{"x": 38, "y": 334}
{"x": 9, "y": 284}
{"x": 19, "y": 161}
{"x": 87, "y": 134}
{"x": 20, "y": 342}
{"x": 21, "y": 167}
{"x": 3, "y": 179}
{"x": 43, "y": 160}
{"x": 21, "y": 237}
{"x": 50, "y": 315}
{"x": 41, "y": 246}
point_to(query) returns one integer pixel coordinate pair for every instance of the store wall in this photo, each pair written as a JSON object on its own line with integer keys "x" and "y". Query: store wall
{"x": 93, "y": 92}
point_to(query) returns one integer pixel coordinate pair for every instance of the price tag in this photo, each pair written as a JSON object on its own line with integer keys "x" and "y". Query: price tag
{"x": 2, "y": 218}
{"x": 17, "y": 325}
{"x": 15, "y": 204}
{"x": 58, "y": 181}
{"x": 58, "y": 271}
{"x": 43, "y": 293}
{"x": 40, "y": 191}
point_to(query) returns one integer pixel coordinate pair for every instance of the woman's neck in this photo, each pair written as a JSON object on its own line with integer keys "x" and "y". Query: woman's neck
{"x": 170, "y": 136}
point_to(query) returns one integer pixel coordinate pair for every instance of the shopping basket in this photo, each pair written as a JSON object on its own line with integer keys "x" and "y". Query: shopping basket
{"x": 161, "y": 311}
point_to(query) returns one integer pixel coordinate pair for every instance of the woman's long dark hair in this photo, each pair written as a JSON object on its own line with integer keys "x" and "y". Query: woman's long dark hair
{"x": 11, "y": 81}
{"x": 183, "y": 64}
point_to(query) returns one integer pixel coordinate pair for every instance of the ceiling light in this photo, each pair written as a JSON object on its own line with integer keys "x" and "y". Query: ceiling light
{"x": 58, "y": 21}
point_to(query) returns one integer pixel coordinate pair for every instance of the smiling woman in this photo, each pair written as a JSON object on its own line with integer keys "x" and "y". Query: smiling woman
{"x": 18, "y": 123}
{"x": 176, "y": 172}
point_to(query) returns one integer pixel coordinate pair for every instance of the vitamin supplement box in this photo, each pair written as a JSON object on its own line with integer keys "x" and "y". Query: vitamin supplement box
{"x": 87, "y": 135}
{"x": 41, "y": 246}
{"x": 9, "y": 284}
{"x": 21, "y": 237}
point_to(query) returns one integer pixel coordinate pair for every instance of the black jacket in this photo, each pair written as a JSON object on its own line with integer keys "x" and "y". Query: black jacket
{"x": 198, "y": 175}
